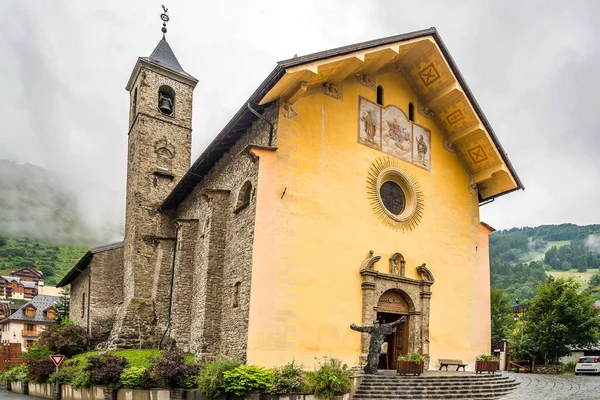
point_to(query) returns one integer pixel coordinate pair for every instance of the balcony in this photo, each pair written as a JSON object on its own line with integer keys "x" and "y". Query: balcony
{"x": 26, "y": 333}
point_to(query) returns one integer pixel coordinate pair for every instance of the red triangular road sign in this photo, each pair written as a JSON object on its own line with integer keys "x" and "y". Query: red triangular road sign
{"x": 57, "y": 359}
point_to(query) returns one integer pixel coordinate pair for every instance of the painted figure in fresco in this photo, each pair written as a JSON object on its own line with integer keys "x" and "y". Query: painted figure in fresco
{"x": 370, "y": 125}
{"x": 421, "y": 149}
{"x": 401, "y": 136}
{"x": 378, "y": 334}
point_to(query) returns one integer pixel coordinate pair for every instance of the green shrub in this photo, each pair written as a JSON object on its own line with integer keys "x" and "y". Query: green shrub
{"x": 331, "y": 379}
{"x": 210, "y": 380}
{"x": 288, "y": 379}
{"x": 72, "y": 373}
{"x": 17, "y": 373}
{"x": 243, "y": 379}
{"x": 105, "y": 369}
{"x": 171, "y": 370}
{"x": 569, "y": 368}
{"x": 66, "y": 339}
{"x": 486, "y": 357}
{"x": 137, "y": 377}
{"x": 412, "y": 357}
{"x": 39, "y": 364}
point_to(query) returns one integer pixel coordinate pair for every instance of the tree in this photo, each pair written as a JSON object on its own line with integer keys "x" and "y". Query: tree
{"x": 63, "y": 305}
{"x": 559, "y": 316}
{"x": 595, "y": 280}
{"x": 502, "y": 316}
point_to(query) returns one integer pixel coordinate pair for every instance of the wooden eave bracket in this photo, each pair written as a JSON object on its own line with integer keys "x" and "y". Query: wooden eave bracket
{"x": 298, "y": 93}
{"x": 489, "y": 173}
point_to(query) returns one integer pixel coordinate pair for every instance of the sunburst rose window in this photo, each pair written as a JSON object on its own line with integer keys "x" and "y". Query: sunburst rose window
{"x": 392, "y": 197}
{"x": 394, "y": 194}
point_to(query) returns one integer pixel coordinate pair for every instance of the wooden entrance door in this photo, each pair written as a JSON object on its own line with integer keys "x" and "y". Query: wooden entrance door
{"x": 396, "y": 344}
{"x": 390, "y": 307}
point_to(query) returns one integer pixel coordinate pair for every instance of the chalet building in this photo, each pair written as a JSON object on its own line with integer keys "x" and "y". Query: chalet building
{"x": 29, "y": 275}
{"x": 7, "y": 308}
{"x": 12, "y": 287}
{"x": 27, "y": 323}
{"x": 25, "y": 283}
{"x": 346, "y": 189}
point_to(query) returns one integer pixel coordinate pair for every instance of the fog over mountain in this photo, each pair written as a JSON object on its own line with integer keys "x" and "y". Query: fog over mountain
{"x": 56, "y": 208}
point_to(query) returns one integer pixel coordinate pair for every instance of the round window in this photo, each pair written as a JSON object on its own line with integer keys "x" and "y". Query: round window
{"x": 393, "y": 197}
{"x": 394, "y": 194}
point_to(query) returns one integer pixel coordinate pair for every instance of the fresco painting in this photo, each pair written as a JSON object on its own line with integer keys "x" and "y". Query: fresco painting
{"x": 396, "y": 134}
{"x": 369, "y": 124}
{"x": 422, "y": 147}
{"x": 389, "y": 130}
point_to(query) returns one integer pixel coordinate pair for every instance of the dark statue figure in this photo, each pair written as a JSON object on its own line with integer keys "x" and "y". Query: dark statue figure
{"x": 378, "y": 334}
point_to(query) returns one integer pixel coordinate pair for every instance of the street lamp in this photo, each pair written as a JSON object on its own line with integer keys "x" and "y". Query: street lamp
{"x": 518, "y": 307}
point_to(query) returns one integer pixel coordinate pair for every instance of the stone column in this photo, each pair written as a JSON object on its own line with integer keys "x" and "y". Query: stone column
{"x": 183, "y": 282}
{"x": 369, "y": 313}
{"x": 208, "y": 275}
{"x": 425, "y": 307}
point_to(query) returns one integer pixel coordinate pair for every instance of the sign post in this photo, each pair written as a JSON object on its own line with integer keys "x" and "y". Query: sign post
{"x": 57, "y": 360}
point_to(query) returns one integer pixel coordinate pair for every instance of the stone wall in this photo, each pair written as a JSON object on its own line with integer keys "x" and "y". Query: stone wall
{"x": 223, "y": 248}
{"x": 79, "y": 288}
{"x": 106, "y": 293}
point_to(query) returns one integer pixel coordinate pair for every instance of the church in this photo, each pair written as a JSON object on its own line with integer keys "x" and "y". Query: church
{"x": 345, "y": 190}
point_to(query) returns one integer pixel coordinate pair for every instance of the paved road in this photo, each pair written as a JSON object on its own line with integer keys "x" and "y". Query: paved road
{"x": 555, "y": 387}
{"x": 6, "y": 395}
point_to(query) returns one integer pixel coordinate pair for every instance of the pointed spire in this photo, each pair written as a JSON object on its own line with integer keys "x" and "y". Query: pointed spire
{"x": 163, "y": 55}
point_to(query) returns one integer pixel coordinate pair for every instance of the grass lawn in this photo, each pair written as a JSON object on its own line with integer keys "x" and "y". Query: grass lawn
{"x": 582, "y": 277}
{"x": 136, "y": 358}
{"x": 558, "y": 243}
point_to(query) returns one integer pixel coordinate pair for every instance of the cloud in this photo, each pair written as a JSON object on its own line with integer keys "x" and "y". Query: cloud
{"x": 592, "y": 242}
{"x": 532, "y": 67}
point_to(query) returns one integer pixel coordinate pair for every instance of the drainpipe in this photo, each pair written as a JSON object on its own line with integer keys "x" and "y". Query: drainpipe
{"x": 264, "y": 119}
{"x": 168, "y": 326}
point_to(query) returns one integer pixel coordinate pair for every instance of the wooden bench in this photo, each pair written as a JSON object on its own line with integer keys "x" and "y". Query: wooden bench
{"x": 446, "y": 362}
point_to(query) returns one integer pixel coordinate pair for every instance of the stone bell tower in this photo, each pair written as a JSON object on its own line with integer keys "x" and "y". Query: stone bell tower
{"x": 159, "y": 151}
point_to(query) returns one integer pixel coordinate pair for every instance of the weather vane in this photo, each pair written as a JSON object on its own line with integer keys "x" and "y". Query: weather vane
{"x": 165, "y": 18}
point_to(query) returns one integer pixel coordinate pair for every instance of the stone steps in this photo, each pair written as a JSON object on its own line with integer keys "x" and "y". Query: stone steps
{"x": 468, "y": 386}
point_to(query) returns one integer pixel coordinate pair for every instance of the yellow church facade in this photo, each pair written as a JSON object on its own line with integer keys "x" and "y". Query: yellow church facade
{"x": 323, "y": 213}
{"x": 346, "y": 190}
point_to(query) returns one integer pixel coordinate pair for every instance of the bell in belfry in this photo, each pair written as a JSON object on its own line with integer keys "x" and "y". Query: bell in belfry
{"x": 165, "y": 104}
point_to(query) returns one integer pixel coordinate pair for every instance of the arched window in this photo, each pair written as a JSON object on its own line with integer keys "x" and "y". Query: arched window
{"x": 166, "y": 100}
{"x": 411, "y": 111}
{"x": 379, "y": 95}
{"x": 236, "y": 294}
{"x": 244, "y": 196}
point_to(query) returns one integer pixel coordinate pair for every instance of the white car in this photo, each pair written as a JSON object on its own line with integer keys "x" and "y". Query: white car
{"x": 587, "y": 365}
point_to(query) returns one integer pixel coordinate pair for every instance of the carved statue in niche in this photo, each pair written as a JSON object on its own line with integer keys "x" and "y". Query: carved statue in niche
{"x": 378, "y": 334}
{"x": 397, "y": 264}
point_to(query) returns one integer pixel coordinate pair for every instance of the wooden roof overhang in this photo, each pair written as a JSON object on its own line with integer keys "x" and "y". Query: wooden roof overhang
{"x": 435, "y": 78}
{"x": 427, "y": 66}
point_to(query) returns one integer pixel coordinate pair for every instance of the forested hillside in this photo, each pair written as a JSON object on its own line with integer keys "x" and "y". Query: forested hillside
{"x": 48, "y": 220}
{"x": 53, "y": 260}
{"x": 520, "y": 258}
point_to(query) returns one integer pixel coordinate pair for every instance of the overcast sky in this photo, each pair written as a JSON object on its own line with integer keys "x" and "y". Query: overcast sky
{"x": 533, "y": 68}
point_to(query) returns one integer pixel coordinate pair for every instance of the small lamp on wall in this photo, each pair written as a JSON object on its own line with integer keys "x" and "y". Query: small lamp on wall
{"x": 14, "y": 335}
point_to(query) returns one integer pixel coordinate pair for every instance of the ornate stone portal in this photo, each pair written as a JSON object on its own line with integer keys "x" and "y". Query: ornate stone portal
{"x": 397, "y": 294}
{"x": 378, "y": 334}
